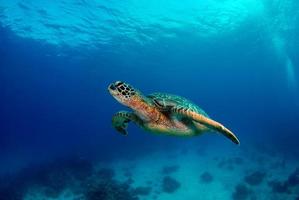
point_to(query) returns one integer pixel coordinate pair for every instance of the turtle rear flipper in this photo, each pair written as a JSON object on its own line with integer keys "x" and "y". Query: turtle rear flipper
{"x": 121, "y": 119}
{"x": 213, "y": 125}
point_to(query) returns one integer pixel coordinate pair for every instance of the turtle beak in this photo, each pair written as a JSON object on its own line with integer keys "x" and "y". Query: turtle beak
{"x": 112, "y": 87}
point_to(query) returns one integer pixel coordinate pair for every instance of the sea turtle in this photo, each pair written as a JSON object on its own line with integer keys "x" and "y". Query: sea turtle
{"x": 162, "y": 113}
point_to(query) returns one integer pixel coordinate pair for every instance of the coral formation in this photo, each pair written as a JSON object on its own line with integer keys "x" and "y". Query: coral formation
{"x": 75, "y": 174}
{"x": 206, "y": 177}
{"x": 170, "y": 185}
{"x": 242, "y": 192}
{"x": 142, "y": 191}
{"x": 286, "y": 186}
{"x": 52, "y": 176}
{"x": 293, "y": 179}
{"x": 111, "y": 190}
{"x": 279, "y": 187}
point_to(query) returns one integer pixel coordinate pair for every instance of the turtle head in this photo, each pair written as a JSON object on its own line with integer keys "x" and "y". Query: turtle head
{"x": 124, "y": 93}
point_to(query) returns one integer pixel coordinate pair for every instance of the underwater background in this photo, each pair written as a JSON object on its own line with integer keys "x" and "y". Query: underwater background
{"x": 237, "y": 59}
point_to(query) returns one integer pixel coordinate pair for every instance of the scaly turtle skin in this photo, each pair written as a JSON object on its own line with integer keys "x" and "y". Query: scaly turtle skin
{"x": 162, "y": 113}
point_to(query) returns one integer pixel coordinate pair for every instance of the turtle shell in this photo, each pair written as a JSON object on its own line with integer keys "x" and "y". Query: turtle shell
{"x": 165, "y": 102}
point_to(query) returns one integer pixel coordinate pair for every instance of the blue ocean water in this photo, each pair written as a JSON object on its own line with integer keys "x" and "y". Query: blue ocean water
{"x": 237, "y": 59}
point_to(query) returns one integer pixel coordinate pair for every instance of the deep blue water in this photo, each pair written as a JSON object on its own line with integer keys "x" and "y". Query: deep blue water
{"x": 238, "y": 61}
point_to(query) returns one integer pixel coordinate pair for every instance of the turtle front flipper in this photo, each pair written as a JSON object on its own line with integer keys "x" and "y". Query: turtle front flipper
{"x": 213, "y": 125}
{"x": 121, "y": 119}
